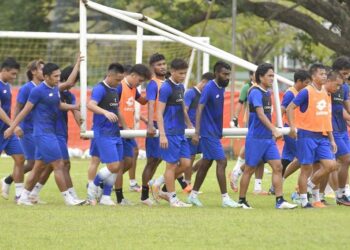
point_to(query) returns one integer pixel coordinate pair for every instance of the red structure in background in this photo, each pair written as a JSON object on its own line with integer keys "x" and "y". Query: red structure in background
{"x": 75, "y": 141}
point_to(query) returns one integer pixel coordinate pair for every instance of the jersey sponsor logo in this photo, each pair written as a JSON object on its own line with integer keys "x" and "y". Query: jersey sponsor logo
{"x": 320, "y": 106}
{"x": 217, "y": 96}
{"x": 130, "y": 104}
{"x": 51, "y": 94}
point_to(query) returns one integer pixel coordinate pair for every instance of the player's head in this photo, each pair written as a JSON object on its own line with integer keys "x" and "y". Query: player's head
{"x": 9, "y": 70}
{"x": 222, "y": 72}
{"x": 35, "y": 70}
{"x": 52, "y": 74}
{"x": 264, "y": 75}
{"x": 318, "y": 73}
{"x": 178, "y": 70}
{"x": 158, "y": 64}
{"x": 334, "y": 81}
{"x": 127, "y": 68}
{"x": 66, "y": 73}
{"x": 302, "y": 78}
{"x": 206, "y": 77}
{"x": 138, "y": 74}
{"x": 342, "y": 65}
{"x": 115, "y": 74}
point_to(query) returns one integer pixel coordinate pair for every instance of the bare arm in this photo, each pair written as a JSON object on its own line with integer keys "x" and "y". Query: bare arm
{"x": 67, "y": 107}
{"x": 263, "y": 118}
{"x": 18, "y": 108}
{"x": 162, "y": 137}
{"x": 142, "y": 100}
{"x": 122, "y": 120}
{"x": 290, "y": 117}
{"x": 25, "y": 111}
{"x": 151, "y": 131}
{"x": 331, "y": 139}
{"x": 93, "y": 107}
{"x": 187, "y": 118}
{"x": 4, "y": 117}
{"x": 347, "y": 106}
{"x": 195, "y": 138}
{"x": 77, "y": 117}
{"x": 71, "y": 79}
{"x": 238, "y": 109}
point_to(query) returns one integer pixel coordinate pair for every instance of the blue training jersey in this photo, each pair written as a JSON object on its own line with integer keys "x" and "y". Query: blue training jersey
{"x": 22, "y": 97}
{"x": 107, "y": 98}
{"x": 258, "y": 97}
{"x": 5, "y": 98}
{"x": 62, "y": 120}
{"x": 338, "y": 98}
{"x": 212, "y": 98}
{"x": 192, "y": 97}
{"x": 46, "y": 101}
{"x": 172, "y": 95}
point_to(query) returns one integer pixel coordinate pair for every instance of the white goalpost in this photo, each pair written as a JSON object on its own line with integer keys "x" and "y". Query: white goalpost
{"x": 145, "y": 23}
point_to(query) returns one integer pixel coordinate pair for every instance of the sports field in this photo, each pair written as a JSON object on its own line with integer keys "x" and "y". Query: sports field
{"x": 56, "y": 226}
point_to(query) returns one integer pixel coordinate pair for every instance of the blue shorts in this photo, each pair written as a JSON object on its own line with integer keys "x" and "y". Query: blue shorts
{"x": 47, "y": 148}
{"x": 62, "y": 141}
{"x": 194, "y": 149}
{"x": 212, "y": 148}
{"x": 128, "y": 147}
{"x": 257, "y": 149}
{"x": 110, "y": 149}
{"x": 152, "y": 146}
{"x": 177, "y": 148}
{"x": 28, "y": 146}
{"x": 343, "y": 143}
{"x": 93, "y": 148}
{"x": 289, "y": 151}
{"x": 311, "y": 150}
{"x": 11, "y": 146}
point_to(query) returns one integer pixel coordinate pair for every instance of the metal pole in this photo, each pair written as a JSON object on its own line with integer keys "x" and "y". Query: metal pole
{"x": 83, "y": 64}
{"x": 276, "y": 96}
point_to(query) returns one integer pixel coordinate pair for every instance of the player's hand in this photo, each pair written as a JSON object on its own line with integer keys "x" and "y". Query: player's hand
{"x": 293, "y": 133}
{"x": 276, "y": 133}
{"x": 151, "y": 131}
{"x": 8, "y": 132}
{"x": 234, "y": 122}
{"x": 334, "y": 147}
{"x": 111, "y": 116}
{"x": 19, "y": 132}
{"x": 79, "y": 58}
{"x": 163, "y": 141}
{"x": 195, "y": 139}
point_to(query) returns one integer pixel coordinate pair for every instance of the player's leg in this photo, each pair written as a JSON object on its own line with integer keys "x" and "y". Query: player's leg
{"x": 134, "y": 187}
{"x": 237, "y": 170}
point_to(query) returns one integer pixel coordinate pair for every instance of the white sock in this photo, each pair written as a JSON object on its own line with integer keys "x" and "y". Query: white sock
{"x": 340, "y": 192}
{"x": 159, "y": 181}
{"x": 240, "y": 161}
{"x": 194, "y": 194}
{"x": 258, "y": 185}
{"x": 310, "y": 183}
{"x": 19, "y": 188}
{"x": 237, "y": 172}
{"x": 25, "y": 193}
{"x": 347, "y": 190}
{"x": 111, "y": 179}
{"x": 316, "y": 195}
{"x": 225, "y": 196}
{"x": 104, "y": 173}
{"x": 36, "y": 190}
{"x": 66, "y": 196}
{"x": 133, "y": 182}
{"x": 304, "y": 200}
{"x": 73, "y": 193}
{"x": 172, "y": 197}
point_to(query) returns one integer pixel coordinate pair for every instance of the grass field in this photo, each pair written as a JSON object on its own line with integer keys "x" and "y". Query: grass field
{"x": 56, "y": 226}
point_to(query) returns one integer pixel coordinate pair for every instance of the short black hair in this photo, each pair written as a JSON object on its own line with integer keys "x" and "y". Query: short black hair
{"x": 208, "y": 76}
{"x": 262, "y": 70}
{"x": 316, "y": 66}
{"x": 127, "y": 68}
{"x": 156, "y": 58}
{"x": 10, "y": 63}
{"x": 116, "y": 68}
{"x": 251, "y": 72}
{"x": 66, "y": 73}
{"x": 333, "y": 75}
{"x": 33, "y": 65}
{"x": 301, "y": 75}
{"x": 178, "y": 64}
{"x": 141, "y": 70}
{"x": 49, "y": 68}
{"x": 341, "y": 63}
{"x": 220, "y": 65}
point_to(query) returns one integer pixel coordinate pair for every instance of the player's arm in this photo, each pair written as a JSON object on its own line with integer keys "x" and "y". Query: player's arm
{"x": 18, "y": 108}
{"x": 162, "y": 137}
{"x": 347, "y": 106}
{"x": 122, "y": 120}
{"x": 14, "y": 125}
{"x": 67, "y": 107}
{"x": 144, "y": 119}
{"x": 142, "y": 100}
{"x": 151, "y": 94}
{"x": 331, "y": 139}
{"x": 71, "y": 79}
{"x": 93, "y": 107}
{"x": 263, "y": 118}
{"x": 77, "y": 117}
{"x": 195, "y": 138}
{"x": 4, "y": 117}
{"x": 291, "y": 119}
{"x": 187, "y": 118}
{"x": 346, "y": 116}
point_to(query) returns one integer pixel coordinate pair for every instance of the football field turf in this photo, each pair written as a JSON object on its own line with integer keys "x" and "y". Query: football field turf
{"x": 56, "y": 226}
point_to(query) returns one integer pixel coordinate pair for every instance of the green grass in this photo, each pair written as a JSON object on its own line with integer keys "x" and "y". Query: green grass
{"x": 56, "y": 226}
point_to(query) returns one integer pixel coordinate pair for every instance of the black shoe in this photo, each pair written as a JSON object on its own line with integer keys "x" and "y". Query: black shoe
{"x": 244, "y": 204}
{"x": 343, "y": 201}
